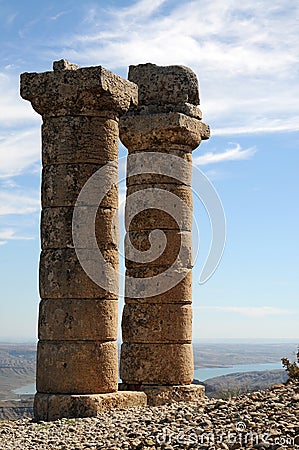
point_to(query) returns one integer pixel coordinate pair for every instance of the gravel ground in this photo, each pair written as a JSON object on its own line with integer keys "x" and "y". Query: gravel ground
{"x": 260, "y": 420}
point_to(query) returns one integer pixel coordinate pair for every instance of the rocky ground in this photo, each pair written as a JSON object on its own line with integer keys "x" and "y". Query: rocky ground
{"x": 260, "y": 420}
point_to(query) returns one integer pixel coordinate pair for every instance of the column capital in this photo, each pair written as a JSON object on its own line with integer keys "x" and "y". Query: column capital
{"x": 167, "y": 111}
{"x": 69, "y": 90}
{"x": 147, "y": 132}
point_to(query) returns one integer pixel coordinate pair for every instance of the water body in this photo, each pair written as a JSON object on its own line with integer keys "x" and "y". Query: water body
{"x": 28, "y": 389}
{"x": 205, "y": 373}
{"x": 200, "y": 374}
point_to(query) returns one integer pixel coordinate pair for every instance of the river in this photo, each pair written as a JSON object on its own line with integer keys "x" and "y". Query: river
{"x": 205, "y": 373}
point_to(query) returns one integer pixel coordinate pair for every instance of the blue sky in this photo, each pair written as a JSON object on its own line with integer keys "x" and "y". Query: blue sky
{"x": 246, "y": 56}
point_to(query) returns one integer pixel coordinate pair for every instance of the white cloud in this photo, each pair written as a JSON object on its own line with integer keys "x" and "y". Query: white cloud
{"x": 19, "y": 151}
{"x": 13, "y": 109}
{"x": 142, "y": 9}
{"x": 246, "y": 55}
{"x": 10, "y": 19}
{"x": 250, "y": 311}
{"x": 10, "y": 235}
{"x": 19, "y": 146}
{"x": 271, "y": 127}
{"x": 58, "y": 15}
{"x": 233, "y": 154}
{"x": 18, "y": 203}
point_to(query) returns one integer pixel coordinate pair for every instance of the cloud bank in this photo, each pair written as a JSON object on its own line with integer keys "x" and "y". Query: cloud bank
{"x": 245, "y": 54}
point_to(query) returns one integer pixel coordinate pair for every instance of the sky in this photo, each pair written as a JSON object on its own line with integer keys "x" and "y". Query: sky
{"x": 246, "y": 57}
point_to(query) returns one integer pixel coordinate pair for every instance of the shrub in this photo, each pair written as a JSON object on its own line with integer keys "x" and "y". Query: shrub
{"x": 292, "y": 369}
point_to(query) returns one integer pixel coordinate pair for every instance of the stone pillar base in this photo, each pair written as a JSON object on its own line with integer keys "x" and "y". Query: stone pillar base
{"x": 158, "y": 395}
{"x": 49, "y": 407}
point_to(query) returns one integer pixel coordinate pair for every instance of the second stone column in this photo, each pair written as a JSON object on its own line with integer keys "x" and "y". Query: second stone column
{"x": 160, "y": 135}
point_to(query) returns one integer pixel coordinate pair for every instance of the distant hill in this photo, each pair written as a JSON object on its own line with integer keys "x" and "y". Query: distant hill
{"x": 17, "y": 368}
{"x": 16, "y": 410}
{"x": 226, "y": 355}
{"x": 242, "y": 382}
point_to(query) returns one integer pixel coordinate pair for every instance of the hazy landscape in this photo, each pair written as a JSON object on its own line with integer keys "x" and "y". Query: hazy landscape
{"x": 228, "y": 354}
{"x": 17, "y": 369}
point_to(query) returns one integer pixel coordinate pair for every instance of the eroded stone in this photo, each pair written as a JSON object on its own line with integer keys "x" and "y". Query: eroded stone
{"x": 62, "y": 275}
{"x": 76, "y": 367}
{"x": 180, "y": 291}
{"x": 158, "y": 220}
{"x": 58, "y": 225}
{"x": 48, "y": 407}
{"x": 159, "y": 168}
{"x": 158, "y": 395}
{"x": 62, "y": 184}
{"x": 79, "y": 139}
{"x": 89, "y": 91}
{"x": 164, "y": 249}
{"x": 64, "y": 64}
{"x": 164, "y": 206}
{"x": 78, "y": 319}
{"x": 152, "y": 323}
{"x": 141, "y": 132}
{"x": 156, "y": 363}
{"x": 164, "y": 85}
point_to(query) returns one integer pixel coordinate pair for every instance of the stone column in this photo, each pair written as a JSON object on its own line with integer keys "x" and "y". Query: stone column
{"x": 77, "y": 355}
{"x": 160, "y": 135}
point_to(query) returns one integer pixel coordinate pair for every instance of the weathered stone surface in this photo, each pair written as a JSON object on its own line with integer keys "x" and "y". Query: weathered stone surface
{"x": 180, "y": 293}
{"x": 79, "y": 139}
{"x": 152, "y": 323}
{"x": 49, "y": 407}
{"x": 57, "y": 225}
{"x": 162, "y": 85}
{"x": 142, "y": 132}
{"x": 62, "y": 184}
{"x": 158, "y": 218}
{"x": 164, "y": 206}
{"x": 90, "y": 91}
{"x": 76, "y": 367}
{"x": 77, "y": 352}
{"x": 78, "y": 319}
{"x": 162, "y": 395}
{"x": 153, "y": 218}
{"x": 181, "y": 191}
{"x": 64, "y": 64}
{"x": 156, "y": 363}
{"x": 61, "y": 275}
{"x": 184, "y": 108}
{"x": 158, "y": 165}
{"x": 176, "y": 250}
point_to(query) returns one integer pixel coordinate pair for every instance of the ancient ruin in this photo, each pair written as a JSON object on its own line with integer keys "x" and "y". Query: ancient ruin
{"x": 157, "y": 329}
{"x": 77, "y": 354}
{"x": 77, "y": 362}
